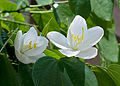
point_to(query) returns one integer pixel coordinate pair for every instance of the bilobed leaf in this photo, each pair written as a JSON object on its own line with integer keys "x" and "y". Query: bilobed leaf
{"x": 114, "y": 72}
{"x": 109, "y": 47}
{"x": 44, "y": 2}
{"x": 103, "y": 8}
{"x": 80, "y": 7}
{"x": 103, "y": 77}
{"x": 46, "y": 72}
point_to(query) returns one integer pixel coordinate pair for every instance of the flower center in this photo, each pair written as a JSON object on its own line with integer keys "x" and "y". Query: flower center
{"x": 77, "y": 39}
{"x": 30, "y": 46}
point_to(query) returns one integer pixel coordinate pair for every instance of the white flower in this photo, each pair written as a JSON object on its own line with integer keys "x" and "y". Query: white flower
{"x": 79, "y": 39}
{"x": 29, "y": 46}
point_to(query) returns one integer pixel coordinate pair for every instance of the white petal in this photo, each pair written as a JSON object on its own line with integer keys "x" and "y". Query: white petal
{"x": 58, "y": 39}
{"x": 93, "y": 36}
{"x": 76, "y": 28}
{"x": 88, "y": 54}
{"x": 22, "y": 58}
{"x": 35, "y": 58}
{"x": 17, "y": 41}
{"x": 27, "y": 59}
{"x": 69, "y": 53}
{"x": 42, "y": 44}
{"x": 31, "y": 35}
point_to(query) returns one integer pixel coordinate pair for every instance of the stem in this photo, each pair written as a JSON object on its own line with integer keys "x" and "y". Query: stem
{"x": 31, "y": 6}
{"x": 22, "y": 23}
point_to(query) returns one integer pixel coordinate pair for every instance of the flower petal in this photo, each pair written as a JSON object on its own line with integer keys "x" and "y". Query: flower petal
{"x": 88, "y": 54}
{"x": 58, "y": 39}
{"x": 31, "y": 35}
{"x": 93, "y": 36}
{"x": 42, "y": 44}
{"x": 27, "y": 59}
{"x": 69, "y": 53}
{"x": 77, "y": 27}
{"x": 18, "y": 39}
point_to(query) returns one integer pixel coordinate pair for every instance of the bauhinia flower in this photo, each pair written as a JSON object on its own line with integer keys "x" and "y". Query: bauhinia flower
{"x": 79, "y": 41}
{"x": 29, "y": 46}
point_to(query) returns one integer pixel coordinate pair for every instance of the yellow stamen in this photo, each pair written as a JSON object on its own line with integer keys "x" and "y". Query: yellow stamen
{"x": 72, "y": 35}
{"x": 77, "y": 37}
{"x": 35, "y": 45}
{"x": 82, "y": 32}
{"x": 30, "y": 43}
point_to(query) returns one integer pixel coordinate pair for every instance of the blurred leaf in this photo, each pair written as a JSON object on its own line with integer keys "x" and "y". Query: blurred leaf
{"x": 114, "y": 72}
{"x": 119, "y": 3}
{"x": 109, "y": 47}
{"x": 7, "y": 40}
{"x": 93, "y": 20}
{"x": 44, "y": 2}
{"x": 103, "y": 77}
{"x": 18, "y": 17}
{"x": 3, "y": 38}
{"x": 21, "y": 3}
{"x": 6, "y": 5}
{"x": 51, "y": 53}
{"x": 43, "y": 18}
{"x": 25, "y": 75}
{"x": 46, "y": 72}
{"x": 103, "y": 8}
{"x": 8, "y": 76}
{"x": 80, "y": 7}
{"x": 45, "y": 29}
{"x": 65, "y": 14}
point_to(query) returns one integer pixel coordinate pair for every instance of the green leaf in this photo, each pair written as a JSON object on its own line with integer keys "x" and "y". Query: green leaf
{"x": 65, "y": 14}
{"x": 78, "y": 72}
{"x": 80, "y": 7}
{"x": 109, "y": 47}
{"x": 47, "y": 73}
{"x": 44, "y": 2}
{"x": 8, "y": 76}
{"x": 103, "y": 8}
{"x": 51, "y": 53}
{"x": 103, "y": 77}
{"x": 25, "y": 75}
{"x": 114, "y": 71}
